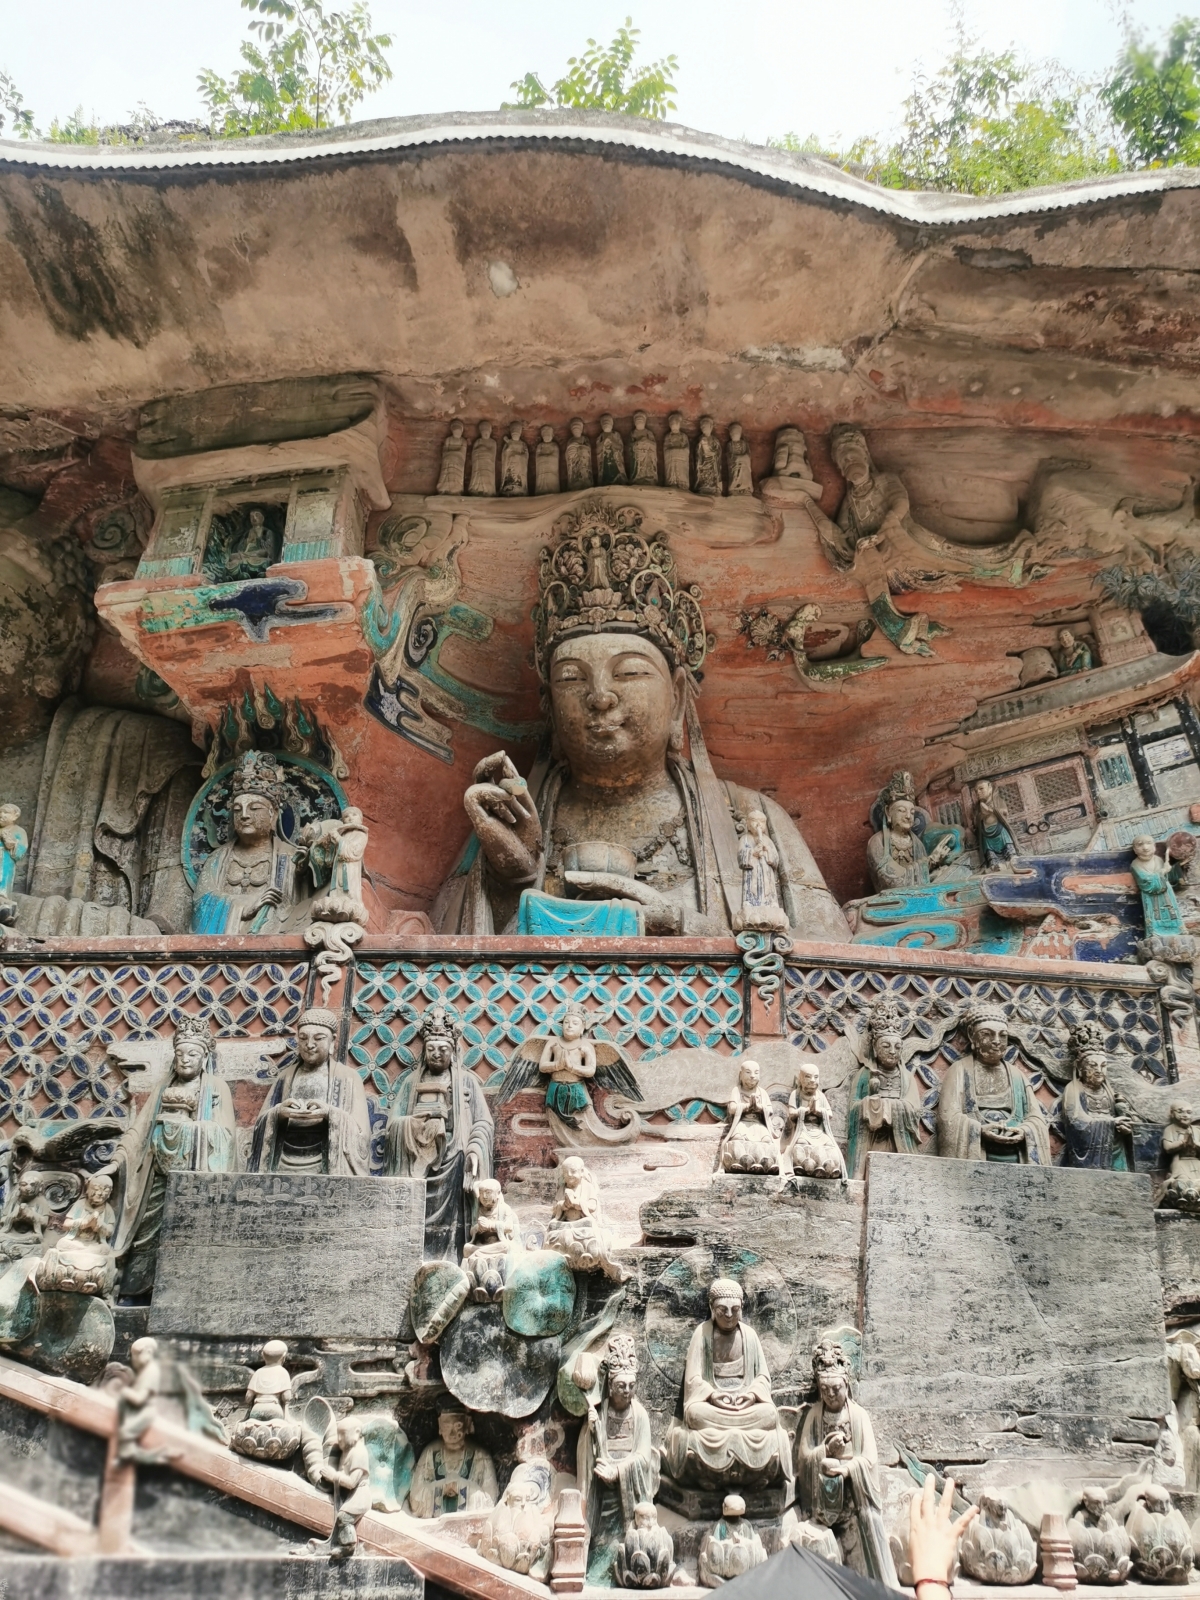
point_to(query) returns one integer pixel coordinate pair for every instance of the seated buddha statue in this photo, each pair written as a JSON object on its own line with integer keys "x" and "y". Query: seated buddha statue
{"x": 620, "y": 829}
{"x": 731, "y": 1431}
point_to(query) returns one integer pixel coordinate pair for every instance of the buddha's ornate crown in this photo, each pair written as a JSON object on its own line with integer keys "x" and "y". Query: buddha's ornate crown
{"x": 439, "y": 1022}
{"x": 1087, "y": 1038}
{"x": 605, "y": 576}
{"x": 900, "y": 786}
{"x": 258, "y": 772}
{"x": 983, "y": 1011}
{"x": 621, "y": 1356}
{"x": 829, "y": 1356}
{"x": 886, "y": 1016}
{"x": 193, "y": 1028}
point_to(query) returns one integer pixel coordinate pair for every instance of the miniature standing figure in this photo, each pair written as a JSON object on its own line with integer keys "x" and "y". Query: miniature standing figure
{"x": 643, "y": 452}
{"x": 514, "y": 462}
{"x": 610, "y": 454}
{"x": 1154, "y": 879}
{"x": 545, "y": 463}
{"x": 810, "y": 1150}
{"x": 347, "y": 1473}
{"x": 137, "y": 1407}
{"x": 1097, "y": 1124}
{"x": 708, "y": 460}
{"x": 494, "y": 1233}
{"x": 14, "y": 847}
{"x": 454, "y": 461}
{"x": 993, "y": 831}
{"x": 483, "y": 462}
{"x": 1181, "y": 1147}
{"x": 750, "y": 1142}
{"x": 677, "y": 454}
{"x": 758, "y": 857}
{"x": 1073, "y": 655}
{"x": 885, "y": 1098}
{"x": 737, "y": 459}
{"x": 578, "y": 457}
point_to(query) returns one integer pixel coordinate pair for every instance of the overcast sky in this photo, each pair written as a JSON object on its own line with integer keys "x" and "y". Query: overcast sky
{"x": 747, "y": 68}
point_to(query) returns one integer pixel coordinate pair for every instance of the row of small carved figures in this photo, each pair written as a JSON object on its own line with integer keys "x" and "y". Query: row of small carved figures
{"x": 616, "y": 460}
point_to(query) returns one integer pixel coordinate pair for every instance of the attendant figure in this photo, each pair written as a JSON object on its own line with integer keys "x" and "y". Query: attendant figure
{"x": 1073, "y": 655}
{"x": 454, "y": 461}
{"x": 617, "y": 1464}
{"x": 896, "y": 855}
{"x": 577, "y": 1228}
{"x": 188, "y": 1124}
{"x": 545, "y": 463}
{"x": 708, "y": 460}
{"x": 731, "y": 1547}
{"x": 986, "y": 1110}
{"x": 440, "y": 1129}
{"x": 809, "y": 1149}
{"x": 731, "y": 1431}
{"x": 81, "y": 1260}
{"x": 758, "y": 858}
{"x": 249, "y": 884}
{"x": 791, "y": 457}
{"x": 453, "y": 1473}
{"x": 610, "y": 454}
{"x": 750, "y": 1142}
{"x": 483, "y": 462}
{"x": 994, "y": 836}
{"x": 737, "y": 462}
{"x": 14, "y": 847}
{"x": 1155, "y": 879}
{"x": 1097, "y": 1124}
{"x": 137, "y": 1407}
{"x": 494, "y": 1234}
{"x": 514, "y": 462}
{"x": 266, "y": 1432}
{"x": 885, "y": 1098}
{"x": 578, "y": 457}
{"x": 1181, "y": 1149}
{"x": 569, "y": 1063}
{"x": 677, "y": 454}
{"x": 315, "y": 1118}
{"x": 837, "y": 1470}
{"x": 346, "y": 1472}
{"x": 643, "y": 452}
{"x": 517, "y": 1534}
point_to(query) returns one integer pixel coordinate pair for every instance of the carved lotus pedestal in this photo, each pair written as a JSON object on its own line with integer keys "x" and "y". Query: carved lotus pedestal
{"x": 266, "y": 1438}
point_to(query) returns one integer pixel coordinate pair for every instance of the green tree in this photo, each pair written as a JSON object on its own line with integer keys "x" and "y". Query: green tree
{"x": 13, "y": 109}
{"x": 308, "y": 67}
{"x": 1155, "y": 97}
{"x": 599, "y": 80}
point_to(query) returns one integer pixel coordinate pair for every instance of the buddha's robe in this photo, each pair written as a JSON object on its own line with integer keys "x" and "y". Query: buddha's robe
{"x": 713, "y": 1444}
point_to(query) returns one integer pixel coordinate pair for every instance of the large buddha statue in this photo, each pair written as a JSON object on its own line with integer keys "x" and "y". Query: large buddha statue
{"x": 618, "y": 830}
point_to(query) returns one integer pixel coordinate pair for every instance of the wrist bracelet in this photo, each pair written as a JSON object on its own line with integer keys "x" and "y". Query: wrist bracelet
{"x": 942, "y": 1583}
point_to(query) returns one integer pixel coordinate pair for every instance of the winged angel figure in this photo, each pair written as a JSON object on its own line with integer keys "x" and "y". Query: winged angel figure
{"x": 567, "y": 1065}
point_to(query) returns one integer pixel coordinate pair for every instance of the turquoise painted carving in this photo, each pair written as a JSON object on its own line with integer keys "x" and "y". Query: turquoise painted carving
{"x": 936, "y": 916}
{"x": 603, "y": 919}
{"x": 539, "y": 1294}
{"x": 257, "y": 606}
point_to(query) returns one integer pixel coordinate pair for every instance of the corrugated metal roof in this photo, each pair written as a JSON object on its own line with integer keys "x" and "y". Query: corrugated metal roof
{"x": 658, "y": 141}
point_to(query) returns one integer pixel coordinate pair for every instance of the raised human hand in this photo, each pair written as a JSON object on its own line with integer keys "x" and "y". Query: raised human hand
{"x": 933, "y": 1537}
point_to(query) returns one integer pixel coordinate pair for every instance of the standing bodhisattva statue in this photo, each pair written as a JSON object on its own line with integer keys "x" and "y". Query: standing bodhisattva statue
{"x": 617, "y": 829}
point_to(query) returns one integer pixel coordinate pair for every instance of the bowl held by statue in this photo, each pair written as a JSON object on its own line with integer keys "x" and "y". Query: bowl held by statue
{"x": 596, "y": 855}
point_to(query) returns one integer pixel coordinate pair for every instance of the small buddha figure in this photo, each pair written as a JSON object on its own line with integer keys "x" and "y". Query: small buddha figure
{"x": 1099, "y": 1543}
{"x": 790, "y": 464}
{"x": 267, "y": 1433}
{"x": 617, "y": 1464}
{"x": 1096, "y": 1122}
{"x": 1155, "y": 879}
{"x": 896, "y": 856}
{"x": 1181, "y": 1148}
{"x": 885, "y": 1098}
{"x": 14, "y": 847}
{"x": 731, "y": 1431}
{"x": 137, "y": 1406}
{"x": 483, "y": 462}
{"x": 81, "y": 1260}
{"x": 994, "y": 836}
{"x": 578, "y": 457}
{"x": 545, "y": 463}
{"x": 26, "y": 1214}
{"x": 1073, "y": 655}
{"x": 708, "y": 460}
{"x": 1159, "y": 1535}
{"x": 997, "y": 1547}
{"x": 577, "y": 1228}
{"x": 315, "y": 1118}
{"x": 346, "y": 1472}
{"x": 737, "y": 462}
{"x": 730, "y": 1547}
{"x": 249, "y": 884}
{"x": 643, "y": 452}
{"x": 518, "y": 1534}
{"x": 758, "y": 858}
{"x": 453, "y": 1473}
{"x": 514, "y": 462}
{"x": 837, "y": 1470}
{"x": 610, "y": 454}
{"x": 494, "y": 1234}
{"x": 677, "y": 454}
{"x": 253, "y": 552}
{"x": 986, "y": 1110}
{"x": 646, "y": 1558}
{"x": 453, "y": 475}
{"x": 809, "y": 1148}
{"x": 188, "y": 1124}
{"x": 750, "y": 1142}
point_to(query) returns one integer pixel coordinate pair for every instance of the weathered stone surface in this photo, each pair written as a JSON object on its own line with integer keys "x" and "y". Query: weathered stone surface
{"x": 1003, "y": 1300}
{"x": 276, "y": 1256}
{"x": 210, "y": 1577}
{"x": 1179, "y": 1262}
{"x": 489, "y": 1368}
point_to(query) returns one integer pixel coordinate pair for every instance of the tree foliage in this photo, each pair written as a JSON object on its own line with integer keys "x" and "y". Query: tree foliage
{"x": 1168, "y": 598}
{"x": 1155, "y": 97}
{"x": 14, "y": 110}
{"x": 600, "y": 80}
{"x": 307, "y": 68}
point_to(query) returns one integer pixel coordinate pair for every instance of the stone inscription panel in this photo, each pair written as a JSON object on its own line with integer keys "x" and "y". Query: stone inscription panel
{"x": 1006, "y": 1304}
{"x": 274, "y": 1255}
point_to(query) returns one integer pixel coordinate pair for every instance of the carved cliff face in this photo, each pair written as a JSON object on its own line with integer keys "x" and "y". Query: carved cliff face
{"x": 614, "y": 702}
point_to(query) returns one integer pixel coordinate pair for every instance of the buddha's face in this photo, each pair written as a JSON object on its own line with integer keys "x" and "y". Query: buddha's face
{"x": 253, "y": 817}
{"x": 314, "y": 1044}
{"x": 726, "y": 1312}
{"x": 614, "y": 701}
{"x": 989, "y": 1041}
{"x": 572, "y": 1172}
{"x": 901, "y": 815}
{"x": 439, "y": 1053}
{"x": 485, "y": 430}
{"x": 1181, "y": 1115}
{"x": 547, "y": 434}
{"x": 675, "y": 422}
{"x": 488, "y": 1195}
{"x": 456, "y": 429}
{"x": 748, "y": 1076}
{"x": 189, "y": 1059}
{"x": 735, "y": 431}
{"x": 98, "y": 1191}
{"x": 606, "y": 423}
{"x": 887, "y": 1049}
{"x": 809, "y": 1080}
{"x": 639, "y": 421}
{"x": 577, "y": 427}
{"x": 852, "y": 459}
{"x": 452, "y": 1426}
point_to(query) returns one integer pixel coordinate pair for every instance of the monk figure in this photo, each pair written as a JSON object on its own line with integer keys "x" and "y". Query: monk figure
{"x": 986, "y": 1110}
{"x": 315, "y": 1118}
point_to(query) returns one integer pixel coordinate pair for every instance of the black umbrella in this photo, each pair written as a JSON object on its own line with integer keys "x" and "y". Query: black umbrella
{"x": 800, "y": 1575}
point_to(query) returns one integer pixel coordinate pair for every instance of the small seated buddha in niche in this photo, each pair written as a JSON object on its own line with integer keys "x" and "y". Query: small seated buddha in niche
{"x": 896, "y": 854}
{"x": 750, "y": 1142}
{"x": 809, "y": 1148}
{"x": 986, "y": 1110}
{"x": 315, "y": 1118}
{"x": 885, "y": 1098}
{"x": 731, "y": 1431}
{"x": 614, "y": 831}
